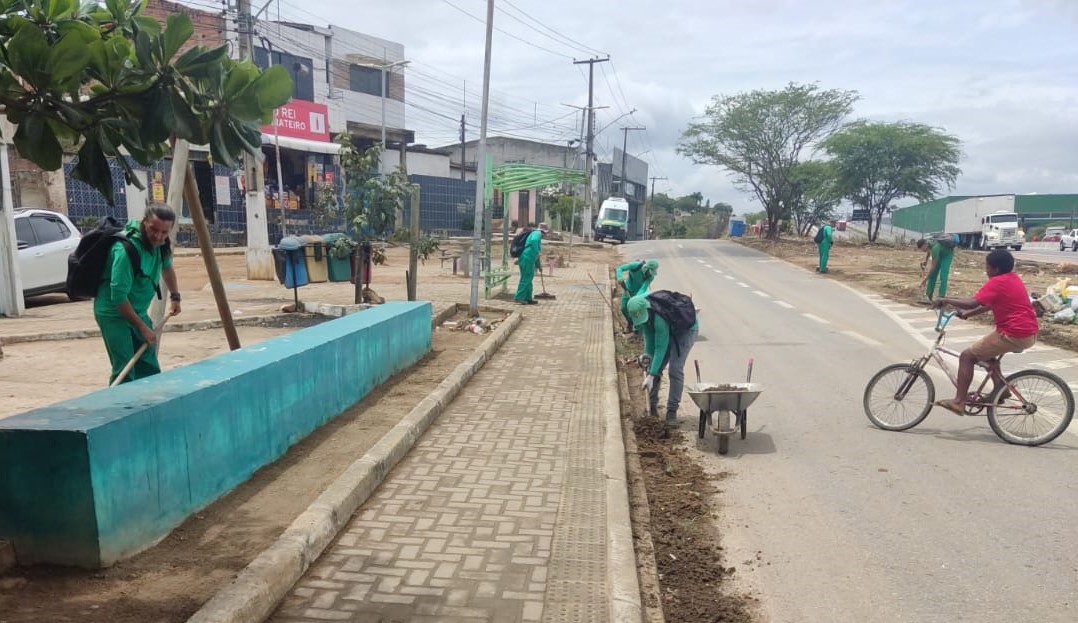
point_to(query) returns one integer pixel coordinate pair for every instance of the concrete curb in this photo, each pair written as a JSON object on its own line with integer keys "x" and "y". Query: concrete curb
{"x": 256, "y": 591}
{"x": 621, "y": 556}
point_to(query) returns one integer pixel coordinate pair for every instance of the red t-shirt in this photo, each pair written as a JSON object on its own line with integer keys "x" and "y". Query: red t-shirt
{"x": 1006, "y": 296}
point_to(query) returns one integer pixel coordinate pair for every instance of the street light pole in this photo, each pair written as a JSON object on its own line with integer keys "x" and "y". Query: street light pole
{"x": 481, "y": 167}
{"x": 384, "y": 67}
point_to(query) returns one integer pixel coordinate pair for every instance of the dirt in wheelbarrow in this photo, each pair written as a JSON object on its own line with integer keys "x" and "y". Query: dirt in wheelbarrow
{"x": 678, "y": 544}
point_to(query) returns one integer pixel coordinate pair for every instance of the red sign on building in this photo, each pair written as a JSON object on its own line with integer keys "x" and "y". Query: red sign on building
{"x": 301, "y": 119}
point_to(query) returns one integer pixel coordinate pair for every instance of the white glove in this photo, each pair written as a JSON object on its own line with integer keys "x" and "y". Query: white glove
{"x": 649, "y": 381}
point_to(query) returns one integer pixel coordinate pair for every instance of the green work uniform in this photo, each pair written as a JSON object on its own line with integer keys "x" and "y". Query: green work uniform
{"x": 119, "y": 284}
{"x": 658, "y": 339}
{"x": 527, "y": 260}
{"x": 941, "y": 266}
{"x": 824, "y": 247}
{"x": 636, "y": 280}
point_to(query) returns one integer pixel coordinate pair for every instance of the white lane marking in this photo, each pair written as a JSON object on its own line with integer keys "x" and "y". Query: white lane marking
{"x": 728, "y": 276}
{"x": 816, "y": 318}
{"x": 717, "y": 270}
{"x": 784, "y": 304}
{"x": 862, "y": 338}
{"x": 700, "y": 260}
{"x": 763, "y": 294}
{"x": 681, "y": 246}
{"x": 707, "y": 265}
{"x": 742, "y": 284}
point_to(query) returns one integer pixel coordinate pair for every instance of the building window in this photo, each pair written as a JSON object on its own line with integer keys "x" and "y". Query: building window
{"x": 299, "y": 68}
{"x": 365, "y": 80}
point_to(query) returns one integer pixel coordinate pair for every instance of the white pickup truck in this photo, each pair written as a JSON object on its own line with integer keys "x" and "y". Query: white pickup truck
{"x": 1069, "y": 240}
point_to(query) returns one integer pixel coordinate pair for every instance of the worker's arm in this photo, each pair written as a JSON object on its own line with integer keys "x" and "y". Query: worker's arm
{"x": 169, "y": 275}
{"x": 661, "y": 344}
{"x": 128, "y": 312}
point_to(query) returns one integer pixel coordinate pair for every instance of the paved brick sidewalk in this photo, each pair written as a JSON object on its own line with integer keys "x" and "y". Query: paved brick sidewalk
{"x": 500, "y": 513}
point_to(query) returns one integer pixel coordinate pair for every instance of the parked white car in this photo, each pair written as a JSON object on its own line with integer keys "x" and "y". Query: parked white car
{"x": 1069, "y": 240}
{"x": 45, "y": 239}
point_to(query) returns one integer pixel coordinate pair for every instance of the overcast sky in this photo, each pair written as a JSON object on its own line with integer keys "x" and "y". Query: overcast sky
{"x": 1002, "y": 75}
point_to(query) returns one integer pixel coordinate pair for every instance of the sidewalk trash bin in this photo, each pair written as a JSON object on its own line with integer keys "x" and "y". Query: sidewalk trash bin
{"x": 340, "y": 268}
{"x": 317, "y": 264}
{"x": 290, "y": 263}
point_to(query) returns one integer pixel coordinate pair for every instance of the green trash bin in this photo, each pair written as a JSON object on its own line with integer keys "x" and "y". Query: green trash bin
{"x": 340, "y": 269}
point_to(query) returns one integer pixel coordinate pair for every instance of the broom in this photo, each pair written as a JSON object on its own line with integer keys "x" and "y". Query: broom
{"x": 544, "y": 294}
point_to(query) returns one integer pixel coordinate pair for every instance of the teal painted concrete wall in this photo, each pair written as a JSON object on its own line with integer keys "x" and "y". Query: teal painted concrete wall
{"x": 98, "y": 478}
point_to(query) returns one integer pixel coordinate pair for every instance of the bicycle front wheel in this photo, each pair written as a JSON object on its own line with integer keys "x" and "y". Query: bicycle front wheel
{"x": 899, "y": 397}
{"x": 1037, "y": 408}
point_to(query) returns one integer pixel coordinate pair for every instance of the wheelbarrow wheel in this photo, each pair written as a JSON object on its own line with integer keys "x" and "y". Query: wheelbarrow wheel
{"x": 703, "y": 422}
{"x": 724, "y": 435}
{"x": 744, "y": 416}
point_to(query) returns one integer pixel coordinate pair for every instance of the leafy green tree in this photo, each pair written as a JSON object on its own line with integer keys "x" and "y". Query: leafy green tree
{"x": 817, "y": 194}
{"x": 759, "y": 137}
{"x": 370, "y": 199}
{"x": 877, "y": 164}
{"x": 566, "y": 209}
{"x": 106, "y": 80}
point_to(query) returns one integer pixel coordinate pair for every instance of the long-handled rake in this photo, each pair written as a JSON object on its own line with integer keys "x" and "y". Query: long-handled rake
{"x": 544, "y": 294}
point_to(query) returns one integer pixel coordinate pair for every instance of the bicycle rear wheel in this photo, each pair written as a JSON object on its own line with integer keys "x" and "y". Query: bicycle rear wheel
{"x": 1046, "y": 412}
{"x": 899, "y": 397}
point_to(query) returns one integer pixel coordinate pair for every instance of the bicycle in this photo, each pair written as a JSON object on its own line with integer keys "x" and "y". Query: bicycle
{"x": 1030, "y": 407}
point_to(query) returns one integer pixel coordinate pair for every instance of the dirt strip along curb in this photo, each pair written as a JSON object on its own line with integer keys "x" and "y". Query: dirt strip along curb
{"x": 649, "y": 573}
{"x": 256, "y": 591}
{"x": 621, "y": 557}
{"x": 172, "y": 327}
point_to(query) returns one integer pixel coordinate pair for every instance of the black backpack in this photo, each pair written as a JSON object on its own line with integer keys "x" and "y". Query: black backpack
{"x": 676, "y": 309}
{"x": 516, "y": 247}
{"x": 86, "y": 266}
{"x": 819, "y": 235}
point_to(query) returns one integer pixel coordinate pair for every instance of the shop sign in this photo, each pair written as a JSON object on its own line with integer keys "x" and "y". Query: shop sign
{"x": 301, "y": 119}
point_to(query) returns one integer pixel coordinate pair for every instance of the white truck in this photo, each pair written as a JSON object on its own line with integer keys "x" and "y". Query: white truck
{"x": 985, "y": 223}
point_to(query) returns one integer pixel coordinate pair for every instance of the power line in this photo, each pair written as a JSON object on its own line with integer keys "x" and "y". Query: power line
{"x": 504, "y": 32}
{"x": 577, "y": 44}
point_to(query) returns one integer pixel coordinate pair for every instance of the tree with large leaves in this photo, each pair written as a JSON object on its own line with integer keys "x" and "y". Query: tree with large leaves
{"x": 370, "y": 199}
{"x": 877, "y": 164}
{"x": 107, "y": 81}
{"x": 759, "y": 137}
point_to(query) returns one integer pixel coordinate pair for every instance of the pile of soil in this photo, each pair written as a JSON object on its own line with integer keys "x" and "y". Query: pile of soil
{"x": 682, "y": 547}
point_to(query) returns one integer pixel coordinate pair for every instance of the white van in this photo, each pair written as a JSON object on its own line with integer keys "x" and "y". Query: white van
{"x": 613, "y": 219}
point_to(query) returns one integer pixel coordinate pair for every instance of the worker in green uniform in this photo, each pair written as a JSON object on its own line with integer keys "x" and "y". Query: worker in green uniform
{"x": 823, "y": 245}
{"x": 528, "y": 260}
{"x": 634, "y": 278}
{"x": 663, "y": 346}
{"x": 938, "y": 257}
{"x": 123, "y": 298}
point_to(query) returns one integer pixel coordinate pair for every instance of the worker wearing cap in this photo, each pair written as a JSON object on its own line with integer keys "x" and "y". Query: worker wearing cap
{"x": 528, "y": 260}
{"x": 662, "y": 346}
{"x": 634, "y": 278}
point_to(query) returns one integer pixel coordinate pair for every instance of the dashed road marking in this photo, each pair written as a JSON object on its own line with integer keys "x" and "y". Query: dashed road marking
{"x": 707, "y": 265}
{"x": 763, "y": 294}
{"x": 717, "y": 270}
{"x": 784, "y": 304}
{"x": 862, "y": 338}
{"x": 728, "y": 276}
{"x": 681, "y": 246}
{"x": 816, "y": 318}
{"x": 742, "y": 284}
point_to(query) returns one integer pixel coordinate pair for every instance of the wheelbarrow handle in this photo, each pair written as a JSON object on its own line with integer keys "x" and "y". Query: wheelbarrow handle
{"x": 748, "y": 377}
{"x": 696, "y": 362}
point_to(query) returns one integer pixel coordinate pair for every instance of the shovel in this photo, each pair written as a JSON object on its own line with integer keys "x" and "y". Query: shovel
{"x": 138, "y": 353}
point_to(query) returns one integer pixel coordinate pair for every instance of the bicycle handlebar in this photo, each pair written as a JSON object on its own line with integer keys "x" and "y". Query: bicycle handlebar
{"x": 944, "y": 318}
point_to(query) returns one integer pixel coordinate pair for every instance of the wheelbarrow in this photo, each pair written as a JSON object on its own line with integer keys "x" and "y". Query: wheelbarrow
{"x": 724, "y": 400}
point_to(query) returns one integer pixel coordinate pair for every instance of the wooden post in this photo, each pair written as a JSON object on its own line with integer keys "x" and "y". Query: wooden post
{"x": 190, "y": 192}
{"x": 413, "y": 252}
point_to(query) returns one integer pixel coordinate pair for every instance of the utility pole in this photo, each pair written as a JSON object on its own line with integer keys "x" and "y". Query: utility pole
{"x": 259, "y": 255}
{"x": 462, "y": 150}
{"x": 481, "y": 167}
{"x": 591, "y": 139}
{"x": 651, "y": 208}
{"x": 624, "y": 146}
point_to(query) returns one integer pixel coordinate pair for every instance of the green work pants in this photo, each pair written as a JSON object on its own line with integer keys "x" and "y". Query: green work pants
{"x": 825, "y": 251}
{"x": 625, "y": 309}
{"x": 121, "y": 342}
{"x": 940, "y": 271}
{"x": 527, "y": 274}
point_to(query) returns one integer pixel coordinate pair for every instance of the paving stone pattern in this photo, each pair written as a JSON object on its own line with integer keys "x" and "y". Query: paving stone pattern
{"x": 498, "y": 513}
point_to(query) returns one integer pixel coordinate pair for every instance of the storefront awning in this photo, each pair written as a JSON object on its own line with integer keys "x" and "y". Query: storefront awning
{"x": 302, "y": 144}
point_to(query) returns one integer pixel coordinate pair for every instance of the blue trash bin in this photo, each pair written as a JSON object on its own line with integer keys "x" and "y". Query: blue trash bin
{"x": 290, "y": 262}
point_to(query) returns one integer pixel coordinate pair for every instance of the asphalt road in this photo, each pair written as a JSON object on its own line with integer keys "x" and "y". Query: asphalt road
{"x": 827, "y": 518}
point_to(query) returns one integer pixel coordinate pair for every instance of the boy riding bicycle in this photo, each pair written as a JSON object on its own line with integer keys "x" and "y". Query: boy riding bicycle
{"x": 1005, "y": 295}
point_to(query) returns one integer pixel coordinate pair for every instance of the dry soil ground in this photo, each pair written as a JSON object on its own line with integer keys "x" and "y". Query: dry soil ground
{"x": 895, "y": 273}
